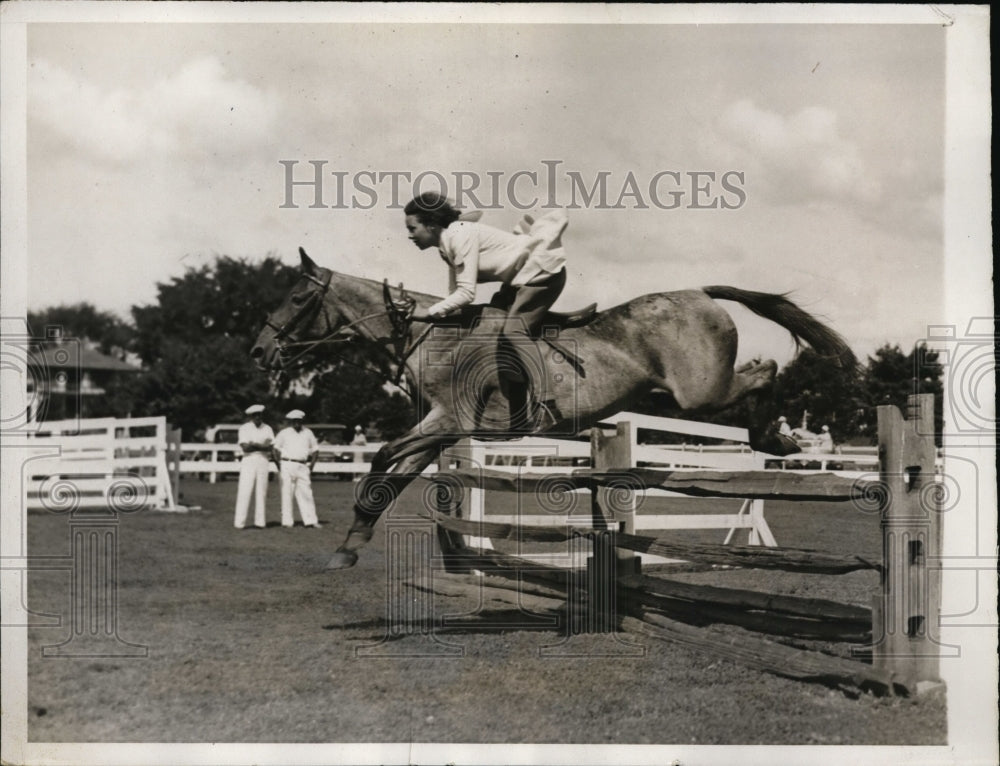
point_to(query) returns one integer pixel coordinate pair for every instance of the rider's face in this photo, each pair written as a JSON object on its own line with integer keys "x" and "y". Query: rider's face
{"x": 422, "y": 235}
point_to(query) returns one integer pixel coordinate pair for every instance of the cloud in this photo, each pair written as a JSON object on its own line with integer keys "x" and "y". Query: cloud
{"x": 197, "y": 110}
{"x": 802, "y": 157}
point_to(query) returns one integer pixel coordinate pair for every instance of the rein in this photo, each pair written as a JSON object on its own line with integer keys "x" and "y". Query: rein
{"x": 400, "y": 317}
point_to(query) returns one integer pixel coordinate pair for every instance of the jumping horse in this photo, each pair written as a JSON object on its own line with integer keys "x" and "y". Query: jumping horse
{"x": 590, "y": 365}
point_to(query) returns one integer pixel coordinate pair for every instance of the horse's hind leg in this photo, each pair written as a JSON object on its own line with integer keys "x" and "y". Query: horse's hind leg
{"x": 748, "y": 378}
{"x": 755, "y": 381}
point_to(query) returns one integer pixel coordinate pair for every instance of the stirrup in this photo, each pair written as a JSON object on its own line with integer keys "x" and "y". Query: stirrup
{"x": 542, "y": 412}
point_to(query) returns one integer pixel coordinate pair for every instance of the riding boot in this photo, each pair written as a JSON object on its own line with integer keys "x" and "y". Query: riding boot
{"x": 519, "y": 402}
{"x": 527, "y": 414}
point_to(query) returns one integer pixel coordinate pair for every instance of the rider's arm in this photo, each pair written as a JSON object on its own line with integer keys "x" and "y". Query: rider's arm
{"x": 460, "y": 246}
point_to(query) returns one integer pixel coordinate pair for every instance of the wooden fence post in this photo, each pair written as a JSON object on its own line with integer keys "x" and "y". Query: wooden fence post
{"x": 173, "y": 466}
{"x": 613, "y": 508}
{"x": 905, "y": 614}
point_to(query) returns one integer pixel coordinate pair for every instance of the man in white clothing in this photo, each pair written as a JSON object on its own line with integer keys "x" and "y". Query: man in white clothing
{"x": 295, "y": 452}
{"x": 359, "y": 440}
{"x": 255, "y": 438}
{"x": 826, "y": 440}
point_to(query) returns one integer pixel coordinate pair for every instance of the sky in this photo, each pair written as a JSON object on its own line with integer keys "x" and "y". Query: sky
{"x": 155, "y": 147}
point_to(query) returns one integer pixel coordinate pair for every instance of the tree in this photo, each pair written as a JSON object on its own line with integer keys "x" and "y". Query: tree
{"x": 350, "y": 390}
{"x": 830, "y": 395}
{"x": 83, "y": 321}
{"x": 891, "y": 376}
{"x": 195, "y": 346}
{"x": 196, "y": 385}
{"x": 231, "y": 298}
{"x": 195, "y": 342}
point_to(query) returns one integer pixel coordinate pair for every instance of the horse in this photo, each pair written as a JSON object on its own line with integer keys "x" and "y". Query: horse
{"x": 589, "y": 366}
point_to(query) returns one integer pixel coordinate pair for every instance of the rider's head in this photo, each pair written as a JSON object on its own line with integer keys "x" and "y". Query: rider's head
{"x": 426, "y": 217}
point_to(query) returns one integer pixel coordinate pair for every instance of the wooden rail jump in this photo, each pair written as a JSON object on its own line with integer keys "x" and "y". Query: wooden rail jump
{"x": 895, "y": 638}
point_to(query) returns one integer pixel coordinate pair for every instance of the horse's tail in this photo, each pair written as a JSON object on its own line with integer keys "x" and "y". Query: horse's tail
{"x": 802, "y": 326}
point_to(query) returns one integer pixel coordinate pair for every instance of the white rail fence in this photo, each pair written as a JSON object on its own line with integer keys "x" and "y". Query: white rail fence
{"x": 121, "y": 463}
{"x": 137, "y": 462}
{"x": 215, "y": 462}
{"x": 551, "y": 456}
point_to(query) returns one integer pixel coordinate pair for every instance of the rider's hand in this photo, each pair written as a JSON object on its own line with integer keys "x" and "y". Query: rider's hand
{"x": 421, "y": 315}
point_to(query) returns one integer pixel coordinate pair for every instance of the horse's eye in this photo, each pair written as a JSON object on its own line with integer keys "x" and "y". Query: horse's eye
{"x": 299, "y": 299}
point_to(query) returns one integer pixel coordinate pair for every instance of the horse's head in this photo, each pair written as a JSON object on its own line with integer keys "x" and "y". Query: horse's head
{"x": 304, "y": 316}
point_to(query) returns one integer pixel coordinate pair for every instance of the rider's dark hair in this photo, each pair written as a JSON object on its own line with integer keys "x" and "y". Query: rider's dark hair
{"x": 432, "y": 208}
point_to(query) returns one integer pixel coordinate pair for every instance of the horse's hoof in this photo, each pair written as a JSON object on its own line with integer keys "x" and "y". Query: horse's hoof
{"x": 342, "y": 560}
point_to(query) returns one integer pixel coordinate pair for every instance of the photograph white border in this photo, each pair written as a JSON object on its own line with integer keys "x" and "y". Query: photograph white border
{"x": 972, "y": 696}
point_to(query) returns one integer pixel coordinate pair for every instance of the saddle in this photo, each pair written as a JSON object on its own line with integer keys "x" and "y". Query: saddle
{"x": 471, "y": 315}
{"x": 577, "y": 318}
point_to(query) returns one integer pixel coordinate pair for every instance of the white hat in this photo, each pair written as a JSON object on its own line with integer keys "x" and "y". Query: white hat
{"x": 826, "y": 428}
{"x": 295, "y": 415}
{"x": 357, "y": 428}
{"x": 782, "y": 419}
{"x": 253, "y": 409}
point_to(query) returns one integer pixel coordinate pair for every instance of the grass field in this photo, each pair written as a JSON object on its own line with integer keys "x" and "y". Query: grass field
{"x": 250, "y": 640}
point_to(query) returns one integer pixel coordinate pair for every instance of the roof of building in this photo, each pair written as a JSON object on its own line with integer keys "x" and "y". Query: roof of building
{"x": 72, "y": 355}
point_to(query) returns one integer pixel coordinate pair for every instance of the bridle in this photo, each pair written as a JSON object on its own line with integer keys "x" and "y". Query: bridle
{"x": 399, "y": 312}
{"x": 305, "y": 311}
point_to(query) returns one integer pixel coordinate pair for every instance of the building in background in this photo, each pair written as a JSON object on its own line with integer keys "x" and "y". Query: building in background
{"x": 68, "y": 380}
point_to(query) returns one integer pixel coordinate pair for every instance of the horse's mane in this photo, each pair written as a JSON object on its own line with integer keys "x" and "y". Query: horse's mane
{"x": 421, "y": 298}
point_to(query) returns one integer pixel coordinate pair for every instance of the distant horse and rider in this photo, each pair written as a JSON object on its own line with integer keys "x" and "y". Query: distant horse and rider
{"x": 514, "y": 367}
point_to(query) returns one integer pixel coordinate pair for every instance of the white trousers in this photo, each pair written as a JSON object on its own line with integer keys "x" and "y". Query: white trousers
{"x": 295, "y": 482}
{"x": 253, "y": 482}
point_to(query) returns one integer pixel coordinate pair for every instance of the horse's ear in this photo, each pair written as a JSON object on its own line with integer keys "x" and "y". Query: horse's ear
{"x": 308, "y": 266}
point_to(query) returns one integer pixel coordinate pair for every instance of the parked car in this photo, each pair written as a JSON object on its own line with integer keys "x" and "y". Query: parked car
{"x": 328, "y": 433}
{"x": 330, "y": 436}
{"x": 223, "y": 433}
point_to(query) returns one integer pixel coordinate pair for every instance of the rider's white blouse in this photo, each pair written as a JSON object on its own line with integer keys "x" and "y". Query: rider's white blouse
{"x": 478, "y": 253}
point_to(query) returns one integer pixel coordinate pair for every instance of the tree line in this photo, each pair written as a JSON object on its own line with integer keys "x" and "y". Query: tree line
{"x": 192, "y": 349}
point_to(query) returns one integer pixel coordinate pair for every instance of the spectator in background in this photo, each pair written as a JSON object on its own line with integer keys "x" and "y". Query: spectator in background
{"x": 783, "y": 428}
{"x": 826, "y": 441}
{"x": 255, "y": 438}
{"x": 359, "y": 440}
{"x": 295, "y": 453}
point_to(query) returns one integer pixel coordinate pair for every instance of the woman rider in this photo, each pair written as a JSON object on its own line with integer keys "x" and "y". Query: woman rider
{"x": 529, "y": 264}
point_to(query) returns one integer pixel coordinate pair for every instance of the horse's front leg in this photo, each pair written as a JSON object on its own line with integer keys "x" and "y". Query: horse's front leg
{"x": 408, "y": 456}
